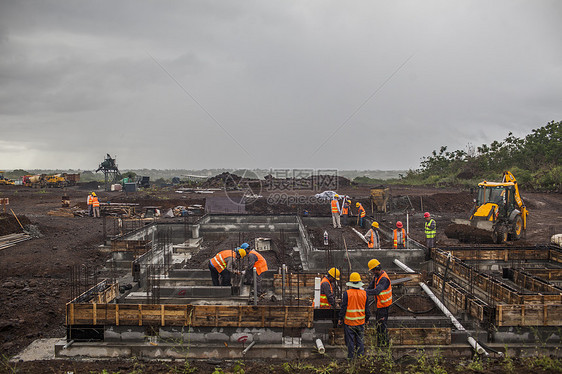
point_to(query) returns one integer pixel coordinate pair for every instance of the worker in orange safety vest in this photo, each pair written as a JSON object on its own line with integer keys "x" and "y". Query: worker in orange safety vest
{"x": 336, "y": 212}
{"x": 360, "y": 214}
{"x": 354, "y": 315}
{"x": 255, "y": 260}
{"x": 95, "y": 205}
{"x": 381, "y": 287}
{"x": 90, "y": 208}
{"x": 327, "y": 295}
{"x": 399, "y": 236}
{"x": 373, "y": 236}
{"x": 222, "y": 266}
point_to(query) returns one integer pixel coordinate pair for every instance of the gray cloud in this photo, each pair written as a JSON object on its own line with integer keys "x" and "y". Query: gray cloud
{"x": 279, "y": 76}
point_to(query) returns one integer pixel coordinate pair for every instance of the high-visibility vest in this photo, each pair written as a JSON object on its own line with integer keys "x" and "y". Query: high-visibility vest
{"x": 372, "y": 239}
{"x": 95, "y": 202}
{"x": 361, "y": 211}
{"x": 219, "y": 261}
{"x": 429, "y": 233}
{"x": 384, "y": 299}
{"x": 396, "y": 237}
{"x": 335, "y": 206}
{"x": 355, "y": 312}
{"x": 324, "y": 304}
{"x": 90, "y": 199}
{"x": 261, "y": 264}
{"x": 345, "y": 209}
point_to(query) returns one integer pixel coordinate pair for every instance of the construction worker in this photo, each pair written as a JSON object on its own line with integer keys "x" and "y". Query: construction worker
{"x": 360, "y": 214}
{"x": 399, "y": 236}
{"x": 380, "y": 287}
{"x": 255, "y": 260}
{"x": 327, "y": 297}
{"x": 221, "y": 266}
{"x": 430, "y": 230}
{"x": 95, "y": 205}
{"x": 373, "y": 237}
{"x": 354, "y": 314}
{"x": 90, "y": 208}
{"x": 336, "y": 211}
{"x": 345, "y": 210}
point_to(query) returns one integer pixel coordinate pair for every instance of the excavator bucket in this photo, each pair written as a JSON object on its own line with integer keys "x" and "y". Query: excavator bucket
{"x": 471, "y": 231}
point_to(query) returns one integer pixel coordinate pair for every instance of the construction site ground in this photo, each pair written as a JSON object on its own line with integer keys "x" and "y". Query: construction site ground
{"x": 35, "y": 274}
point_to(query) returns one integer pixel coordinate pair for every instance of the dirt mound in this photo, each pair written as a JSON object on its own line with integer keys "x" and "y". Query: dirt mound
{"x": 458, "y": 202}
{"x": 9, "y": 224}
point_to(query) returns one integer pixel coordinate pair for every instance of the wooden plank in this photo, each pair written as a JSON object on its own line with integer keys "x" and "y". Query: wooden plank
{"x": 529, "y": 315}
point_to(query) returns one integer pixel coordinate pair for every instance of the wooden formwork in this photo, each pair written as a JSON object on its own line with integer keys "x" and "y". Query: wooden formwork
{"x": 404, "y": 335}
{"x": 189, "y": 315}
{"x": 304, "y": 283}
{"x": 138, "y": 247}
{"x": 102, "y": 293}
{"x": 499, "y": 254}
{"x": 547, "y": 274}
{"x": 538, "y": 304}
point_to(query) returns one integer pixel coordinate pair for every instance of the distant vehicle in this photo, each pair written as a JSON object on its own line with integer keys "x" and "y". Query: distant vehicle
{"x": 499, "y": 214}
{"x": 5, "y": 181}
{"x": 51, "y": 181}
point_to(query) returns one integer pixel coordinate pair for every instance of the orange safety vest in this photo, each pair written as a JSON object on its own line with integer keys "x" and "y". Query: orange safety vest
{"x": 361, "y": 211}
{"x": 90, "y": 199}
{"x": 219, "y": 261}
{"x": 372, "y": 239}
{"x": 335, "y": 206}
{"x": 396, "y": 238}
{"x": 324, "y": 304}
{"x": 355, "y": 312}
{"x": 384, "y": 299}
{"x": 95, "y": 202}
{"x": 261, "y": 264}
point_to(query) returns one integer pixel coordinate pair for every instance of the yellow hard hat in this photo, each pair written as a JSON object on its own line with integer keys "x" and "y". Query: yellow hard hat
{"x": 356, "y": 204}
{"x": 336, "y": 195}
{"x": 93, "y": 194}
{"x": 242, "y": 252}
{"x": 375, "y": 224}
{"x": 373, "y": 264}
{"x": 334, "y": 273}
{"x": 349, "y": 201}
{"x": 355, "y": 277}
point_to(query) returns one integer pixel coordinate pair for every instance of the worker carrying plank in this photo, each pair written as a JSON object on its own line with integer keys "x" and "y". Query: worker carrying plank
{"x": 380, "y": 287}
{"x": 222, "y": 265}
{"x": 373, "y": 236}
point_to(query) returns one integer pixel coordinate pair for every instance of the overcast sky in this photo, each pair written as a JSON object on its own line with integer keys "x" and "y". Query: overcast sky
{"x": 271, "y": 84}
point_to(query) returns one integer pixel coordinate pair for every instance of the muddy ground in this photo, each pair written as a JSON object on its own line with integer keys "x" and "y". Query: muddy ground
{"x": 35, "y": 274}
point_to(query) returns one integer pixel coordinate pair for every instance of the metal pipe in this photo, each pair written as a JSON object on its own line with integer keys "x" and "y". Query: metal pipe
{"x": 408, "y": 226}
{"x": 68, "y": 344}
{"x": 477, "y": 347}
{"x": 255, "y": 287}
{"x": 403, "y": 266}
{"x": 360, "y": 235}
{"x": 248, "y": 348}
{"x": 320, "y": 347}
{"x": 283, "y": 274}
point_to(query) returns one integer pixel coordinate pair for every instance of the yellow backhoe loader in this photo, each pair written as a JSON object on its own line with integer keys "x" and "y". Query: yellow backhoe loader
{"x": 5, "y": 181}
{"x": 499, "y": 214}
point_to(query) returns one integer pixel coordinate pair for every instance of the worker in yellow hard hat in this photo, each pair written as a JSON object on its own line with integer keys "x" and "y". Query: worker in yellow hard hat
{"x": 373, "y": 237}
{"x": 360, "y": 214}
{"x": 354, "y": 315}
{"x": 380, "y": 287}
{"x": 221, "y": 266}
{"x": 327, "y": 295}
{"x": 345, "y": 210}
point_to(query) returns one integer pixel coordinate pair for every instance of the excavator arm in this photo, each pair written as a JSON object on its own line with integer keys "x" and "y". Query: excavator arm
{"x": 509, "y": 177}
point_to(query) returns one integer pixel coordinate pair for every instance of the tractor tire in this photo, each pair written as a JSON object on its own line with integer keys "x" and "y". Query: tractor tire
{"x": 499, "y": 236}
{"x": 517, "y": 229}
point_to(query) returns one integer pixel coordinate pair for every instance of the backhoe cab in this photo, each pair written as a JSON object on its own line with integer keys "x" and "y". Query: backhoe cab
{"x": 499, "y": 214}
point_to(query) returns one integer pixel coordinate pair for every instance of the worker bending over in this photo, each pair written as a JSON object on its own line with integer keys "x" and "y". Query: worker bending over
{"x": 222, "y": 266}
{"x": 380, "y": 287}
{"x": 399, "y": 236}
{"x": 354, "y": 314}
{"x": 327, "y": 295}
{"x": 255, "y": 260}
{"x": 336, "y": 212}
{"x": 373, "y": 237}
